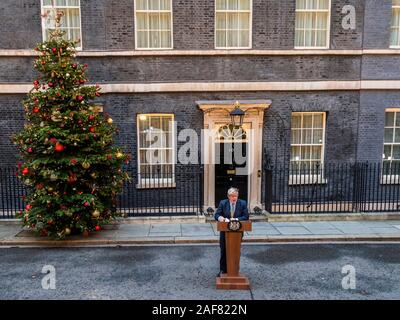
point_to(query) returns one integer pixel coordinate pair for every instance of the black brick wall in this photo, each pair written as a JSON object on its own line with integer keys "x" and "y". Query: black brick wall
{"x": 200, "y": 68}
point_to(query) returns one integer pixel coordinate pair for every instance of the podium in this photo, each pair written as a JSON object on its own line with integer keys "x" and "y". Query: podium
{"x": 233, "y": 280}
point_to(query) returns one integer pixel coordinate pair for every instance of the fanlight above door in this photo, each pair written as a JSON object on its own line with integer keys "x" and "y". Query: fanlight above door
{"x": 229, "y": 132}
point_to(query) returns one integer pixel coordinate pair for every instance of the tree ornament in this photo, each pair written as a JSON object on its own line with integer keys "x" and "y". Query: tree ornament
{"x": 119, "y": 155}
{"x": 30, "y": 150}
{"x": 85, "y": 165}
{"x": 67, "y": 231}
{"x": 59, "y": 147}
{"x": 54, "y": 50}
{"x": 25, "y": 171}
{"x": 35, "y": 110}
{"x": 110, "y": 121}
{"x": 97, "y": 228}
{"x": 96, "y": 214}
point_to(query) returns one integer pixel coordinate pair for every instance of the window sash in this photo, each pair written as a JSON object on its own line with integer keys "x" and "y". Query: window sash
{"x": 71, "y": 21}
{"x": 153, "y": 25}
{"x": 233, "y": 24}
{"x": 305, "y": 152}
{"x": 147, "y": 169}
{"x": 312, "y": 26}
{"x": 395, "y": 25}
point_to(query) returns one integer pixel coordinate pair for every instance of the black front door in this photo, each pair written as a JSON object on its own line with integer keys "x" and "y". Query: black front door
{"x": 230, "y": 170}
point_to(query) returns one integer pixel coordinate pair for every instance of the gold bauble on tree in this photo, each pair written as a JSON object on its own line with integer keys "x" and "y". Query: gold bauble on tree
{"x": 96, "y": 214}
{"x": 85, "y": 165}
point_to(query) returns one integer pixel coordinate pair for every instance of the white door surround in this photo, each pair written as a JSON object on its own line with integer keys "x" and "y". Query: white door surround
{"x": 217, "y": 112}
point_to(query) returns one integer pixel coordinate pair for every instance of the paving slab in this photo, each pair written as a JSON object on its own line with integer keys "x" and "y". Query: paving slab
{"x": 286, "y": 224}
{"x": 317, "y": 224}
{"x": 197, "y": 230}
{"x": 293, "y": 230}
{"x": 382, "y": 224}
{"x": 352, "y": 230}
{"x": 165, "y": 227}
{"x": 325, "y": 231}
{"x": 264, "y": 232}
{"x": 389, "y": 230}
{"x": 346, "y": 223}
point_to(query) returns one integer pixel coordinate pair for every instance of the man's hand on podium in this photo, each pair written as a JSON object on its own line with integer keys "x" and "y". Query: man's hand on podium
{"x": 222, "y": 219}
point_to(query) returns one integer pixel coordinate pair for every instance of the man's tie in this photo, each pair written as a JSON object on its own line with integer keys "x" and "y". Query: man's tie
{"x": 232, "y": 210}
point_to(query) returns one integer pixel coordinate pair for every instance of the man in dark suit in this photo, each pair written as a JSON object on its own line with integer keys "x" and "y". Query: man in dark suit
{"x": 227, "y": 209}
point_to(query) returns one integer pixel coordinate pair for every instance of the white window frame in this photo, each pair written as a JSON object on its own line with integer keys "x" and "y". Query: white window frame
{"x": 295, "y": 179}
{"x": 328, "y": 36}
{"x": 226, "y": 30}
{"x": 390, "y": 178}
{"x": 154, "y": 11}
{"x": 44, "y": 8}
{"x": 396, "y": 46}
{"x": 148, "y": 183}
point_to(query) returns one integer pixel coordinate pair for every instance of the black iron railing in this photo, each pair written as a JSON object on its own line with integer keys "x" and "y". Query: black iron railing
{"x": 328, "y": 188}
{"x": 157, "y": 190}
{"x": 332, "y": 187}
{"x": 163, "y": 190}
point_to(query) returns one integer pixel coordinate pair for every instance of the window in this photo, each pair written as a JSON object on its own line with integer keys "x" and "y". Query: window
{"x": 307, "y": 147}
{"x": 395, "y": 25}
{"x": 153, "y": 24}
{"x": 156, "y": 150}
{"x": 233, "y": 24}
{"x": 312, "y": 24}
{"x": 391, "y": 147}
{"x": 70, "y": 22}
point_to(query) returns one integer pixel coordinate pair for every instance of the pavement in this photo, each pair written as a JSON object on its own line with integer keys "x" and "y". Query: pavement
{"x": 154, "y": 233}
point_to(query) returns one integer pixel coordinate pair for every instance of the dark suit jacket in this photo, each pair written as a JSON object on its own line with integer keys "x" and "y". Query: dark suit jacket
{"x": 224, "y": 209}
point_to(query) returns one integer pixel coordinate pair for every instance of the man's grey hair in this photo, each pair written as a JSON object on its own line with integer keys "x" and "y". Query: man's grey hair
{"x": 232, "y": 191}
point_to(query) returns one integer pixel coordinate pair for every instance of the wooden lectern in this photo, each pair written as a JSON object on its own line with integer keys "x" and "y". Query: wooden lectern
{"x": 233, "y": 280}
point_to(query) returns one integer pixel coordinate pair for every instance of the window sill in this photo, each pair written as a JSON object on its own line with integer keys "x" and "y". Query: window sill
{"x": 154, "y": 49}
{"x": 156, "y": 185}
{"x": 311, "y": 48}
{"x": 306, "y": 179}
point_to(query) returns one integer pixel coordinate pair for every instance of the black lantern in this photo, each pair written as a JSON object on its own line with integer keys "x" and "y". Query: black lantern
{"x": 237, "y": 115}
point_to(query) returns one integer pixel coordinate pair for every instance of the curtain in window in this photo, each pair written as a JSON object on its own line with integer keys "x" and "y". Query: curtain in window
{"x": 233, "y": 23}
{"x": 311, "y": 27}
{"x": 154, "y": 24}
{"x": 155, "y": 145}
{"x": 70, "y": 22}
{"x": 391, "y": 148}
{"x": 306, "y": 142}
{"x": 395, "y": 34}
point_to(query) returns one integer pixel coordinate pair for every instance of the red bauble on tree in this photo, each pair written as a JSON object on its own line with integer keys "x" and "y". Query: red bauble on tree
{"x": 59, "y": 147}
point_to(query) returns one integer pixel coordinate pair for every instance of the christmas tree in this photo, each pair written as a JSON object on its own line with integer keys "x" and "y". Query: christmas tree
{"x": 72, "y": 170}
